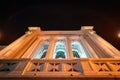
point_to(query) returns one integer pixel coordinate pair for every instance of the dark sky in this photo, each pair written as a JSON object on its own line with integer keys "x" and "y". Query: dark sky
{"x": 17, "y": 15}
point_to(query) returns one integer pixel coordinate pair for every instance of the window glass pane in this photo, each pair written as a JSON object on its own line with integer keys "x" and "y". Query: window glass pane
{"x": 42, "y": 50}
{"x": 59, "y": 50}
{"x": 44, "y": 54}
{"x": 60, "y": 54}
{"x": 78, "y": 50}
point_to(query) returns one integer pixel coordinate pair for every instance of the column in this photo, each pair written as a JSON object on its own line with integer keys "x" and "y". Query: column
{"x": 69, "y": 48}
{"x": 50, "y": 52}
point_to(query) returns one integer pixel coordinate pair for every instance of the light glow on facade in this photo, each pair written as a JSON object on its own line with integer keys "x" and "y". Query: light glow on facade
{"x": 60, "y": 55}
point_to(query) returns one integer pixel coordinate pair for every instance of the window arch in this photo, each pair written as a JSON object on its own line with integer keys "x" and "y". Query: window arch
{"x": 41, "y": 51}
{"x": 60, "y": 54}
{"x": 78, "y": 50}
{"x": 59, "y": 50}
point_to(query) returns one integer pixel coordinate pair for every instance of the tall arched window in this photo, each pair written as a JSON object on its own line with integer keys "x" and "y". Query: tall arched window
{"x": 42, "y": 50}
{"x": 59, "y": 51}
{"x": 78, "y": 50}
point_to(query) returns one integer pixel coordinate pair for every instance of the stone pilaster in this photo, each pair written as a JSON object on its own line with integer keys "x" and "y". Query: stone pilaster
{"x": 108, "y": 45}
{"x": 23, "y": 46}
{"x": 12, "y": 46}
{"x": 31, "y": 51}
{"x": 101, "y": 46}
{"x": 90, "y": 51}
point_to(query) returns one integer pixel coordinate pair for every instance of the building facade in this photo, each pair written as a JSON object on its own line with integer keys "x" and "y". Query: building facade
{"x": 77, "y": 54}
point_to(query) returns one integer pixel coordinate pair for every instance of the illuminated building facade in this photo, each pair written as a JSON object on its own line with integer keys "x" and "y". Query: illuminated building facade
{"x": 77, "y": 54}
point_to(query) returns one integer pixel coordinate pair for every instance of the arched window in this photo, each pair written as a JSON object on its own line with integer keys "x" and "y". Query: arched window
{"x": 42, "y": 50}
{"x": 78, "y": 50}
{"x": 59, "y": 50}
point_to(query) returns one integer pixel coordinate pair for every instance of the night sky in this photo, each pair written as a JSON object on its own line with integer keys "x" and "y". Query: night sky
{"x": 17, "y": 15}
